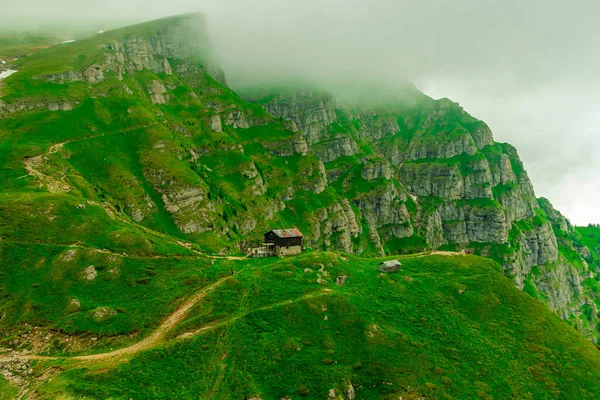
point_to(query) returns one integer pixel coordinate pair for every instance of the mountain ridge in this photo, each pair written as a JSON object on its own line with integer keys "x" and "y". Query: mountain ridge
{"x": 128, "y": 159}
{"x": 469, "y": 190}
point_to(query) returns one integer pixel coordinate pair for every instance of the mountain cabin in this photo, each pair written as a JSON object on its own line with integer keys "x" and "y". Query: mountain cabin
{"x": 284, "y": 242}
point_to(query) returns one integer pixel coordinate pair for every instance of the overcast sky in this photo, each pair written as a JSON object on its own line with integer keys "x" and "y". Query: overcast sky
{"x": 527, "y": 68}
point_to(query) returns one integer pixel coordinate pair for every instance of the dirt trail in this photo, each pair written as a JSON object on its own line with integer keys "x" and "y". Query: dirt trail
{"x": 172, "y": 320}
{"x": 181, "y": 312}
{"x": 235, "y": 317}
{"x": 239, "y": 258}
{"x": 54, "y": 185}
{"x": 34, "y": 166}
{"x": 168, "y": 324}
{"x": 445, "y": 253}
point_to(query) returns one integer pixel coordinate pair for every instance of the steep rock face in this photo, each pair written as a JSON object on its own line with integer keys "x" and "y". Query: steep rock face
{"x": 377, "y": 128}
{"x": 318, "y": 181}
{"x": 447, "y": 181}
{"x": 561, "y": 284}
{"x": 468, "y": 191}
{"x": 182, "y": 39}
{"x": 425, "y": 148}
{"x": 482, "y": 135}
{"x": 158, "y": 93}
{"x": 483, "y": 223}
{"x": 536, "y": 246}
{"x": 556, "y": 217}
{"x": 238, "y": 119}
{"x": 449, "y": 141}
{"x": 371, "y": 178}
{"x": 434, "y": 230}
{"x": 540, "y": 264}
{"x": 311, "y": 112}
{"x": 338, "y": 147}
{"x": 517, "y": 205}
{"x": 433, "y": 180}
{"x": 376, "y": 169}
{"x": 385, "y": 207}
{"x": 92, "y": 74}
{"x": 334, "y": 226}
{"x": 190, "y": 208}
{"x": 286, "y": 148}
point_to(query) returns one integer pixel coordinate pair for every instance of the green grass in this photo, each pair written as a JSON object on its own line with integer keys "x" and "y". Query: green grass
{"x": 7, "y": 392}
{"x": 445, "y": 326}
{"x": 412, "y": 244}
{"x": 58, "y": 219}
{"x": 19, "y": 44}
{"x": 590, "y": 237}
{"x": 40, "y": 282}
{"x": 468, "y": 335}
{"x": 501, "y": 190}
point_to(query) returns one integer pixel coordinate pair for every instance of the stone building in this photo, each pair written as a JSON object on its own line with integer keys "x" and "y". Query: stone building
{"x": 390, "y": 266}
{"x": 284, "y": 242}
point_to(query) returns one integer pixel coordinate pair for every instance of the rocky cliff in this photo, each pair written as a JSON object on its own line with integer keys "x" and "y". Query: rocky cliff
{"x": 463, "y": 190}
{"x": 183, "y": 42}
{"x": 142, "y": 121}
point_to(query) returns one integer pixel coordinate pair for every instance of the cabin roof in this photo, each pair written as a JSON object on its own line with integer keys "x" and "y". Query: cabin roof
{"x": 287, "y": 233}
{"x": 391, "y": 263}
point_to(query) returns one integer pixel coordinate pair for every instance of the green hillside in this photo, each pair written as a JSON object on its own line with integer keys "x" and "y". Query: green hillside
{"x": 443, "y": 327}
{"x": 133, "y": 178}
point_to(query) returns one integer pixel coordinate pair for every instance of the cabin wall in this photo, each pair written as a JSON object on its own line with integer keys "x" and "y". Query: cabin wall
{"x": 284, "y": 246}
{"x": 288, "y": 251}
{"x": 271, "y": 237}
{"x": 295, "y": 241}
{"x": 283, "y": 242}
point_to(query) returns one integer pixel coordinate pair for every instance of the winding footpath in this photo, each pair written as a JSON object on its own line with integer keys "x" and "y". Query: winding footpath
{"x": 152, "y": 340}
{"x": 157, "y": 337}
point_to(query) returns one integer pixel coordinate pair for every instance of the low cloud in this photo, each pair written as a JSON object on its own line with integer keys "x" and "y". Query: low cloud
{"x": 527, "y": 68}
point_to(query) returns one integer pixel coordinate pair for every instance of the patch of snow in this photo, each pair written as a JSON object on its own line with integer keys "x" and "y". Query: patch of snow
{"x": 99, "y": 32}
{"x": 2, "y": 61}
{"x": 68, "y": 41}
{"x": 7, "y": 73}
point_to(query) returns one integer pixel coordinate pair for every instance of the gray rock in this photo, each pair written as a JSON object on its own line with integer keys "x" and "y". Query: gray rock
{"x": 390, "y": 266}
{"x": 376, "y": 169}
{"x": 311, "y": 113}
{"x": 340, "y": 146}
{"x": 102, "y": 314}
{"x": 158, "y": 92}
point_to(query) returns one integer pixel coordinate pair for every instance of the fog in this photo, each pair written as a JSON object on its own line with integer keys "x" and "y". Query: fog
{"x": 529, "y": 69}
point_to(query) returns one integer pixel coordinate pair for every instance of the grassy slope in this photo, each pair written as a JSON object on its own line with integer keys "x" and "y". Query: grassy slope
{"x": 490, "y": 339}
{"x": 590, "y": 238}
{"x": 277, "y": 332}
{"x": 13, "y": 45}
{"x": 39, "y": 283}
{"x": 7, "y": 392}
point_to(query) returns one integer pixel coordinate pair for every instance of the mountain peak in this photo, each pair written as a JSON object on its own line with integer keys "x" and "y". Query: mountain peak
{"x": 159, "y": 46}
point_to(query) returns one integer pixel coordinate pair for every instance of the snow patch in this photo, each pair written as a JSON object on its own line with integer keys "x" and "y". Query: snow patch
{"x": 68, "y": 41}
{"x": 7, "y": 73}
